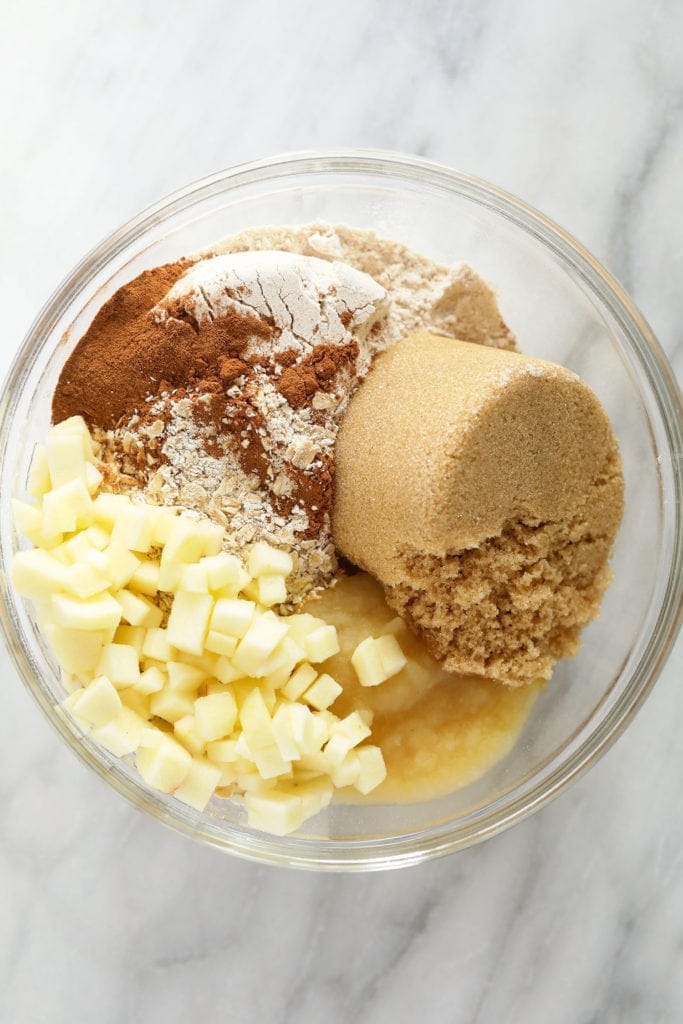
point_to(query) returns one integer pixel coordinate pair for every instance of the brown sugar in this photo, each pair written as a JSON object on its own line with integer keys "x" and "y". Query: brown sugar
{"x": 484, "y": 490}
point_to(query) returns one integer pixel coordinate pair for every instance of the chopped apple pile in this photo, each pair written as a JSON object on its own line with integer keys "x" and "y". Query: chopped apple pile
{"x": 171, "y": 649}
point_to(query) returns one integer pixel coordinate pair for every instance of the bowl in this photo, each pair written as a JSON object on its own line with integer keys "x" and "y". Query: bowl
{"x": 563, "y": 306}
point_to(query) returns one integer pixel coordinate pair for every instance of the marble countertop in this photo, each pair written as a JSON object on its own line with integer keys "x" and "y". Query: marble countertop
{"x": 575, "y": 915}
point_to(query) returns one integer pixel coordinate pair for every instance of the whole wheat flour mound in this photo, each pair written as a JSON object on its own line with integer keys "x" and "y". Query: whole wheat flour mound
{"x": 483, "y": 489}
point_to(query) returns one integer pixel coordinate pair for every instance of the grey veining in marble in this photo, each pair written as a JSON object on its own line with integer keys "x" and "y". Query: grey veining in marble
{"x": 574, "y": 917}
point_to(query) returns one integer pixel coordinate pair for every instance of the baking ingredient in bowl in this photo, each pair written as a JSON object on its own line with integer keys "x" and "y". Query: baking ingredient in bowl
{"x": 484, "y": 490}
{"x": 218, "y": 383}
{"x": 171, "y": 649}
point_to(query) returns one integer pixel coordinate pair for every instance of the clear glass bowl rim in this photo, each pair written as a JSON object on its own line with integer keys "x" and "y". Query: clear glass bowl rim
{"x": 370, "y": 854}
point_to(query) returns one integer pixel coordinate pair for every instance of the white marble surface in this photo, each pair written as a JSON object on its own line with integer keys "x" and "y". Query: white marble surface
{"x": 575, "y": 916}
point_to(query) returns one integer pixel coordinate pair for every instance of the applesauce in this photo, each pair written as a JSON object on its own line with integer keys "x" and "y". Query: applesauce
{"x": 438, "y": 731}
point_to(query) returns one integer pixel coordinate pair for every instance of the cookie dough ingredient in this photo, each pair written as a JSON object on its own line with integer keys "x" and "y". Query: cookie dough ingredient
{"x": 484, "y": 490}
{"x": 438, "y": 732}
{"x": 167, "y": 653}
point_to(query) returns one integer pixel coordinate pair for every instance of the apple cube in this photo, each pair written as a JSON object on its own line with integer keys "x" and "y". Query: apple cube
{"x": 122, "y": 735}
{"x": 83, "y": 580}
{"x": 152, "y": 680}
{"x": 286, "y": 655}
{"x": 256, "y": 721}
{"x": 284, "y": 734}
{"x": 189, "y": 539}
{"x": 75, "y": 426}
{"x": 199, "y": 784}
{"x": 323, "y": 692}
{"x": 37, "y": 574}
{"x": 301, "y": 625}
{"x": 258, "y": 643}
{"x": 77, "y": 651}
{"x": 164, "y": 765}
{"x": 188, "y": 622}
{"x": 275, "y": 812}
{"x": 67, "y": 709}
{"x": 271, "y": 590}
{"x": 131, "y": 635}
{"x": 67, "y": 508}
{"x": 194, "y": 579}
{"x": 93, "y": 478}
{"x": 315, "y": 795}
{"x": 222, "y": 751}
{"x": 28, "y": 519}
{"x": 346, "y": 733}
{"x": 119, "y": 563}
{"x": 137, "y": 610}
{"x": 219, "y": 643}
{"x": 145, "y": 579}
{"x": 215, "y": 715}
{"x": 65, "y": 457}
{"x": 99, "y": 702}
{"x": 347, "y": 772}
{"x": 171, "y": 705}
{"x": 99, "y": 612}
{"x": 372, "y": 770}
{"x": 232, "y": 616}
{"x": 321, "y": 644}
{"x": 375, "y": 661}
{"x": 137, "y": 702}
{"x": 392, "y": 657}
{"x": 133, "y": 528}
{"x": 223, "y": 571}
{"x": 39, "y": 482}
{"x": 119, "y": 662}
{"x": 299, "y": 681}
{"x": 107, "y": 507}
{"x": 184, "y": 678}
{"x": 156, "y": 645}
{"x": 264, "y": 560}
{"x": 270, "y": 762}
{"x": 185, "y": 730}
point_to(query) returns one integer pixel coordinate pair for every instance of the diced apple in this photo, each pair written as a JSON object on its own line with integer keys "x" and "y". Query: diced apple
{"x": 321, "y": 644}
{"x": 346, "y": 733}
{"x": 99, "y": 702}
{"x": 270, "y": 763}
{"x": 28, "y": 519}
{"x": 137, "y": 610}
{"x": 256, "y": 721}
{"x": 156, "y": 645}
{"x": 145, "y": 579}
{"x": 75, "y": 426}
{"x": 133, "y": 528}
{"x": 37, "y": 574}
{"x": 194, "y": 579}
{"x": 122, "y": 735}
{"x": 258, "y": 643}
{"x": 68, "y": 709}
{"x": 121, "y": 565}
{"x": 137, "y": 702}
{"x": 347, "y": 772}
{"x": 100, "y": 612}
{"x": 215, "y": 715}
{"x": 107, "y": 507}
{"x": 165, "y": 765}
{"x": 301, "y": 625}
{"x": 223, "y": 571}
{"x": 275, "y": 812}
{"x": 185, "y": 730}
{"x": 185, "y": 678}
{"x": 265, "y": 560}
{"x": 315, "y": 795}
{"x": 77, "y": 651}
{"x": 222, "y": 751}
{"x": 271, "y": 590}
{"x": 119, "y": 662}
{"x": 219, "y": 643}
{"x": 323, "y": 692}
{"x": 188, "y": 622}
{"x": 39, "y": 482}
{"x": 93, "y": 478}
{"x": 132, "y": 635}
{"x": 225, "y": 671}
{"x": 83, "y": 580}
{"x": 299, "y": 681}
{"x": 232, "y": 616}
{"x": 284, "y": 734}
{"x": 171, "y": 705}
{"x": 199, "y": 784}
{"x": 189, "y": 539}
{"x": 392, "y": 657}
{"x": 375, "y": 661}
{"x": 372, "y": 770}
{"x": 65, "y": 457}
{"x": 152, "y": 680}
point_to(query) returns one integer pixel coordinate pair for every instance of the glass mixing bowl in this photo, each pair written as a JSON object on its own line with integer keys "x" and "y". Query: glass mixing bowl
{"x": 563, "y": 306}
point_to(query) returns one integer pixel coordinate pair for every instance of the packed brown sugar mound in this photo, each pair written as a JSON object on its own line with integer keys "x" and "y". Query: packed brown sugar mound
{"x": 483, "y": 489}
